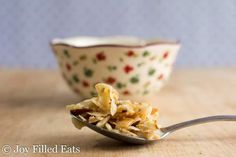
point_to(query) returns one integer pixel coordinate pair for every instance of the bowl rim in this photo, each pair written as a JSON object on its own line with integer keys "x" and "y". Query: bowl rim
{"x": 142, "y": 44}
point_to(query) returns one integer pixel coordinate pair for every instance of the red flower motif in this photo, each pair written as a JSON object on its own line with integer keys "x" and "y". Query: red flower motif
{"x": 100, "y": 56}
{"x": 68, "y": 67}
{"x": 85, "y": 84}
{"x": 160, "y": 77}
{"x": 165, "y": 55}
{"x": 128, "y": 69}
{"x": 110, "y": 80}
{"x": 126, "y": 92}
{"x": 130, "y": 53}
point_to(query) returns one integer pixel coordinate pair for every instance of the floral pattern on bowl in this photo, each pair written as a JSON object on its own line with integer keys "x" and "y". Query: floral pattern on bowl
{"x": 137, "y": 70}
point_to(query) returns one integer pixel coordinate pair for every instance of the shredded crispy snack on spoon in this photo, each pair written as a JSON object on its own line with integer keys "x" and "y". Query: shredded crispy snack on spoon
{"x": 120, "y": 116}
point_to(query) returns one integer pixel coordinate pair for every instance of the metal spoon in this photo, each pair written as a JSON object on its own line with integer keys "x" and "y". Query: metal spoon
{"x": 163, "y": 132}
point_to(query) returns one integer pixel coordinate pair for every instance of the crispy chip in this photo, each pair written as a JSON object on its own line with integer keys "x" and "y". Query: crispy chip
{"x": 133, "y": 128}
{"x": 103, "y": 122}
{"x": 97, "y": 114}
{"x": 129, "y": 133}
{"x": 93, "y": 119}
{"x": 108, "y": 126}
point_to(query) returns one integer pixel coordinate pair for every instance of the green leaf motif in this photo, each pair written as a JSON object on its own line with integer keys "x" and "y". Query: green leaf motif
{"x": 120, "y": 85}
{"x": 75, "y": 63}
{"x": 146, "y": 53}
{"x": 134, "y": 79}
{"x": 75, "y": 78}
{"x": 121, "y": 59}
{"x": 94, "y": 61}
{"x": 83, "y": 57}
{"x": 92, "y": 93}
{"x": 111, "y": 68}
{"x": 66, "y": 53}
{"x": 88, "y": 72}
{"x": 151, "y": 72}
{"x": 140, "y": 64}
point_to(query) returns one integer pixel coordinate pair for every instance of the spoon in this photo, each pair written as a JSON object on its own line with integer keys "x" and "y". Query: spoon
{"x": 162, "y": 132}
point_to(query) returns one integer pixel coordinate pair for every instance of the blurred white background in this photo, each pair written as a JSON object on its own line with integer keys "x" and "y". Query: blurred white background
{"x": 206, "y": 28}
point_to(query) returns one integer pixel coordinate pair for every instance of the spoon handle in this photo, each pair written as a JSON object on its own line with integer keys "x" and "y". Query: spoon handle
{"x": 185, "y": 124}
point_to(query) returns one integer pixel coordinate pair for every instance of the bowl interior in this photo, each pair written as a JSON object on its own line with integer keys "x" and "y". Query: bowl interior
{"x": 113, "y": 40}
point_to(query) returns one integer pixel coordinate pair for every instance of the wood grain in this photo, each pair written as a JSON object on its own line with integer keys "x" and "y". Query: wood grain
{"x": 32, "y": 112}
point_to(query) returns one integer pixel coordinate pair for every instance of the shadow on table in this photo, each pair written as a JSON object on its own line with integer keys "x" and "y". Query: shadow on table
{"x": 88, "y": 143}
{"x": 112, "y": 145}
{"x": 99, "y": 143}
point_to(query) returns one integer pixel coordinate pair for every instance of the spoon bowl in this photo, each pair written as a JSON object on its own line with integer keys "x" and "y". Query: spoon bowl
{"x": 114, "y": 135}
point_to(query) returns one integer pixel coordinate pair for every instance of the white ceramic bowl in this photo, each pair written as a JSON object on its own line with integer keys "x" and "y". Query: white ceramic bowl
{"x": 133, "y": 66}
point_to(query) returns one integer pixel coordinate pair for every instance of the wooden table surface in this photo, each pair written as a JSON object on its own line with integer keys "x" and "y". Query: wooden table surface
{"x": 32, "y": 111}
